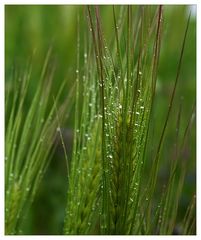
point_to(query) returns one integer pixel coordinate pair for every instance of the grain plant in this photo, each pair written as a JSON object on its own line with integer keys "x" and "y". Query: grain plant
{"x": 106, "y": 194}
{"x": 113, "y": 184}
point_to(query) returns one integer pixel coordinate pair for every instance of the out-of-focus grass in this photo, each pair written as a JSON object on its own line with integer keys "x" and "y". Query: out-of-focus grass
{"x": 30, "y": 30}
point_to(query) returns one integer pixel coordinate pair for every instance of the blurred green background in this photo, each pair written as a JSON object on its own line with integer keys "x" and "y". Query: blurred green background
{"x": 30, "y": 30}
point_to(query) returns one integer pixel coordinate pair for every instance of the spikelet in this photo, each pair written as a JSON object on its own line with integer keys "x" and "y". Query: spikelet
{"x": 13, "y": 199}
{"x": 83, "y": 197}
{"x": 118, "y": 169}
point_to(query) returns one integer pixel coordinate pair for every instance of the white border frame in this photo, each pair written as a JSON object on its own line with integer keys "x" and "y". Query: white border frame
{"x": 2, "y": 110}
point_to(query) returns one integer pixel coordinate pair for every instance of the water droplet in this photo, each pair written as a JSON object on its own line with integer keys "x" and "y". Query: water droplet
{"x": 27, "y": 189}
{"x": 89, "y": 223}
{"x": 85, "y": 55}
{"x": 77, "y": 71}
{"x": 58, "y": 129}
{"x": 140, "y": 73}
{"x": 100, "y": 116}
{"x": 110, "y": 156}
{"x": 77, "y": 130}
{"x": 142, "y": 107}
{"x": 137, "y": 113}
{"x": 90, "y": 104}
{"x": 131, "y": 200}
{"x": 120, "y": 106}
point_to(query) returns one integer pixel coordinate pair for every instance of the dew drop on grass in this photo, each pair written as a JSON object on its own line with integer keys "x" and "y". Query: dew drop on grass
{"x": 89, "y": 223}
{"x": 137, "y": 113}
{"x": 120, "y": 106}
{"x": 27, "y": 189}
{"x": 131, "y": 199}
{"x": 85, "y": 55}
{"x": 110, "y": 156}
{"x": 140, "y": 73}
{"x": 90, "y": 104}
{"x": 142, "y": 107}
{"x": 58, "y": 129}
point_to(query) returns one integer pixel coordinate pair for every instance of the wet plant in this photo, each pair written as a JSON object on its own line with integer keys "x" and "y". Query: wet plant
{"x": 107, "y": 193}
{"x": 126, "y": 175}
